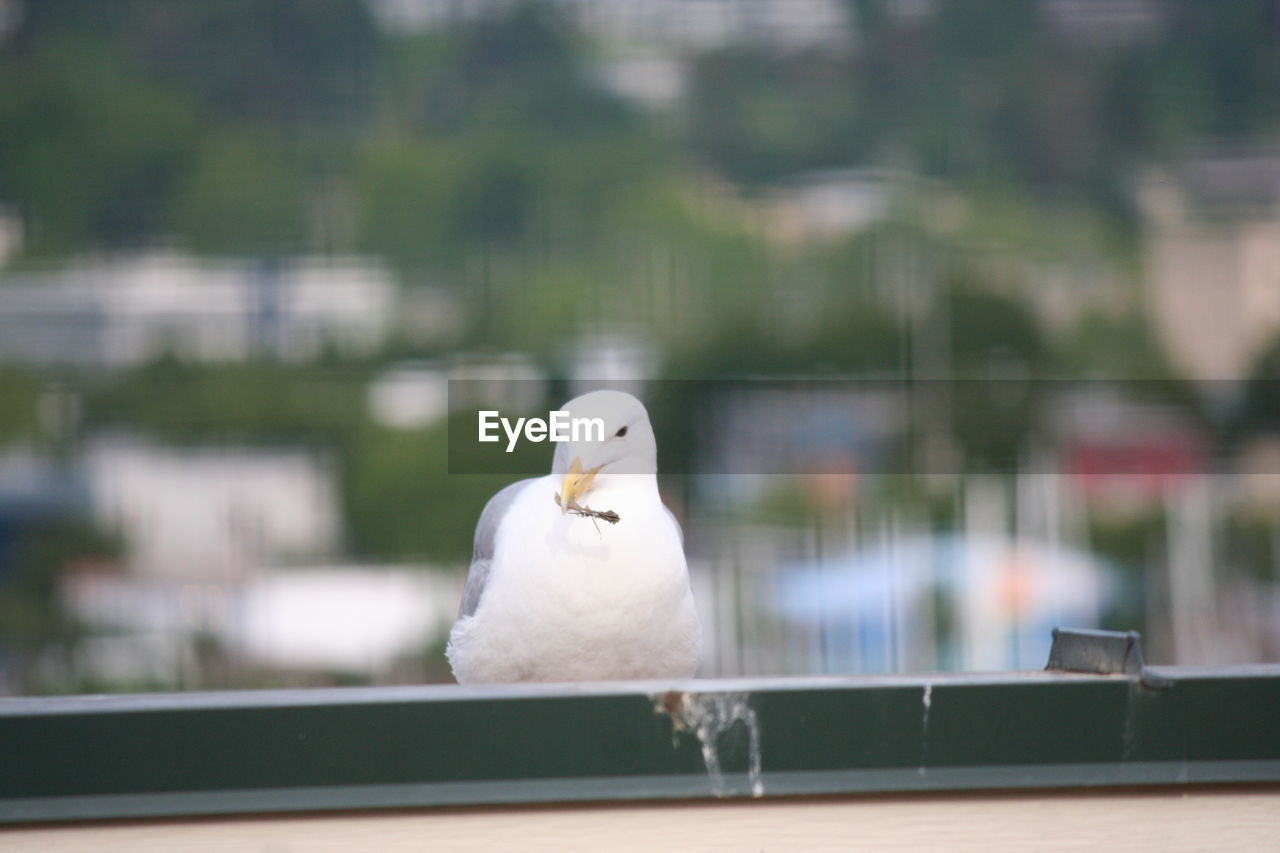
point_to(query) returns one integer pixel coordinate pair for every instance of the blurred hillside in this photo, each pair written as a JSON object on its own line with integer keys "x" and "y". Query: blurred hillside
{"x": 486, "y": 146}
{"x": 263, "y": 235}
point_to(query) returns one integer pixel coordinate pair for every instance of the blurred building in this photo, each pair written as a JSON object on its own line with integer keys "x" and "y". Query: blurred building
{"x": 202, "y": 529}
{"x": 620, "y": 358}
{"x": 680, "y": 25}
{"x": 1124, "y": 455}
{"x": 644, "y": 46}
{"x": 225, "y": 566}
{"x": 1069, "y": 288}
{"x": 11, "y": 231}
{"x": 409, "y": 395}
{"x": 414, "y": 15}
{"x": 698, "y": 26}
{"x": 818, "y": 437}
{"x": 1106, "y": 23}
{"x": 1213, "y": 260}
{"x": 359, "y": 620}
{"x": 125, "y": 311}
{"x": 11, "y": 14}
{"x": 416, "y": 394}
{"x": 212, "y": 513}
{"x": 833, "y": 203}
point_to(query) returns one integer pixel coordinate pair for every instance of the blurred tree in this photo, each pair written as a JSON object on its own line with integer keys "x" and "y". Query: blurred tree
{"x": 244, "y": 195}
{"x": 997, "y": 353}
{"x": 103, "y": 108}
{"x": 106, "y": 113}
{"x": 91, "y": 149}
{"x": 991, "y": 329}
{"x": 990, "y": 94}
{"x": 434, "y": 203}
{"x": 473, "y": 158}
{"x": 761, "y": 118}
{"x": 1236, "y": 60}
{"x": 861, "y": 339}
{"x": 1260, "y": 406}
{"x": 238, "y": 402}
{"x": 32, "y": 616}
{"x": 402, "y": 501}
{"x": 19, "y": 405}
{"x": 1134, "y": 544}
{"x": 521, "y": 70}
{"x": 401, "y": 213}
{"x": 274, "y": 61}
{"x": 1112, "y": 347}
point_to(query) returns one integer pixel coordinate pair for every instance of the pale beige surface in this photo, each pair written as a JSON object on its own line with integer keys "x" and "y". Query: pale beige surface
{"x": 1210, "y": 820}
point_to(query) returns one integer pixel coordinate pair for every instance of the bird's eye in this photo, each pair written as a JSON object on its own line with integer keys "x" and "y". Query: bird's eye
{"x": 621, "y": 432}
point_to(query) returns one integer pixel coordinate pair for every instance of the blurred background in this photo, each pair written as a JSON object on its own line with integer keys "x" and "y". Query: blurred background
{"x": 245, "y": 245}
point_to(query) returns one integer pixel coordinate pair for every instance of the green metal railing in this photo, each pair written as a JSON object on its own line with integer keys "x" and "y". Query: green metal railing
{"x": 151, "y": 755}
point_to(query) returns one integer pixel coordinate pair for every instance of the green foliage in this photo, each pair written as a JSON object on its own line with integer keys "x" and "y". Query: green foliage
{"x": 19, "y": 405}
{"x": 1233, "y": 53}
{"x": 1134, "y": 545}
{"x": 91, "y": 148}
{"x": 520, "y": 71}
{"x": 124, "y": 122}
{"x": 29, "y": 597}
{"x": 256, "y": 401}
{"x": 244, "y": 196}
{"x": 491, "y": 139}
{"x": 760, "y": 118}
{"x": 991, "y": 332}
{"x": 1260, "y": 408}
{"x": 1116, "y": 348}
{"x": 859, "y": 338}
{"x": 223, "y": 123}
{"x": 400, "y": 215}
{"x": 1253, "y": 547}
{"x": 426, "y": 203}
{"x": 996, "y": 354}
{"x": 399, "y": 503}
{"x": 985, "y": 94}
{"x": 402, "y": 501}
{"x": 263, "y": 60}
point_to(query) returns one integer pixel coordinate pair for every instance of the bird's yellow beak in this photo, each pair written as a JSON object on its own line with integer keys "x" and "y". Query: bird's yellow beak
{"x": 576, "y": 484}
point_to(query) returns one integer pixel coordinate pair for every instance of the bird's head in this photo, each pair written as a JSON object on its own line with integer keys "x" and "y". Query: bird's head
{"x": 613, "y": 436}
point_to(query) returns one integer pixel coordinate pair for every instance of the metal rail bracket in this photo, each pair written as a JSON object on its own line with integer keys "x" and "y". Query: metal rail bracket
{"x": 1102, "y": 652}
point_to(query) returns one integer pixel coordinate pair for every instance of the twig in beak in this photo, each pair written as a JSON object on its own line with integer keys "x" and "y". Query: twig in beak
{"x": 586, "y": 511}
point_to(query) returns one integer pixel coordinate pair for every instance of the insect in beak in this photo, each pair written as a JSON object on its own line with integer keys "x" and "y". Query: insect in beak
{"x": 576, "y": 484}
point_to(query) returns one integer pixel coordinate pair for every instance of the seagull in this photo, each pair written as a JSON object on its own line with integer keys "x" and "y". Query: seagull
{"x": 553, "y": 593}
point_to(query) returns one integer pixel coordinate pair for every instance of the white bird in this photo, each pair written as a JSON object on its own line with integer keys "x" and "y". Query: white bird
{"x": 556, "y": 596}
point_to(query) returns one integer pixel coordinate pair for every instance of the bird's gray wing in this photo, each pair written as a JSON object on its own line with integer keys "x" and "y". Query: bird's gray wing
{"x": 486, "y": 535}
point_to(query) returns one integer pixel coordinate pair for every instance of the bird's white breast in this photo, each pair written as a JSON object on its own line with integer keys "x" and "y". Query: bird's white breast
{"x": 573, "y": 599}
